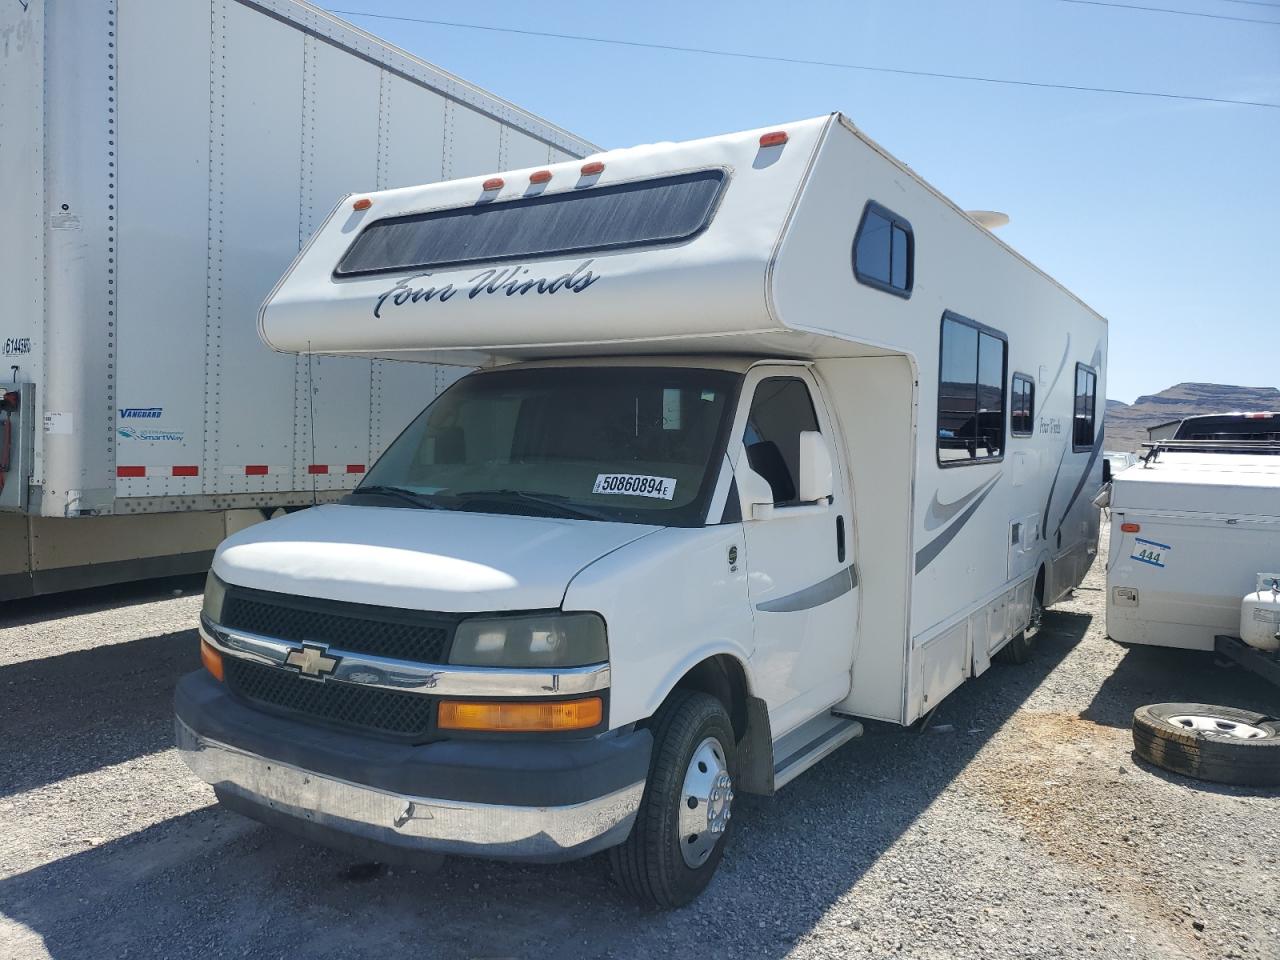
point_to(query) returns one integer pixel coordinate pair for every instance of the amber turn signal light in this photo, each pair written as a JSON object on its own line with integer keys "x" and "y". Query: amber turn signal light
{"x": 535, "y": 716}
{"x": 1131, "y": 527}
{"x": 211, "y": 659}
{"x": 364, "y": 203}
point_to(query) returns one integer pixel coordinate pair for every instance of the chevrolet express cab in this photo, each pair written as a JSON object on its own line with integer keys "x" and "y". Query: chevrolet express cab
{"x": 763, "y": 436}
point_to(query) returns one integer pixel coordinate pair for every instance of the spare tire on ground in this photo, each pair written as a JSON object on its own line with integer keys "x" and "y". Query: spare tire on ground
{"x": 1221, "y": 744}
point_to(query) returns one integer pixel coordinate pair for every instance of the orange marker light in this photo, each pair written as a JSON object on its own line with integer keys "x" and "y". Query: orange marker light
{"x": 775, "y": 139}
{"x": 364, "y": 203}
{"x": 1131, "y": 527}
{"x": 493, "y": 183}
{"x": 528, "y": 717}
{"x": 540, "y": 176}
{"x": 592, "y": 168}
{"x": 211, "y": 659}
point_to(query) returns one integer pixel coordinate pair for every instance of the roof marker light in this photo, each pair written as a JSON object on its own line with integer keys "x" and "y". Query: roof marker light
{"x": 493, "y": 183}
{"x": 592, "y": 168}
{"x": 540, "y": 176}
{"x": 364, "y": 203}
{"x": 775, "y": 139}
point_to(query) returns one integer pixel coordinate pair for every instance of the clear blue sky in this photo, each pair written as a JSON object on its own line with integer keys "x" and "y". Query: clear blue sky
{"x": 1162, "y": 215}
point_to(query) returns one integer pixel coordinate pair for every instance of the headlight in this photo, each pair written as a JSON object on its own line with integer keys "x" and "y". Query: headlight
{"x": 215, "y": 592}
{"x": 540, "y": 640}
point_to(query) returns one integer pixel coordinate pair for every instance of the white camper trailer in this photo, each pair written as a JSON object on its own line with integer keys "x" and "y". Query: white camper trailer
{"x": 768, "y": 436}
{"x": 1195, "y": 527}
{"x": 162, "y": 163}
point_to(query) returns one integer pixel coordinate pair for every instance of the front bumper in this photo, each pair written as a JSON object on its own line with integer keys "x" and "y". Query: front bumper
{"x": 503, "y": 800}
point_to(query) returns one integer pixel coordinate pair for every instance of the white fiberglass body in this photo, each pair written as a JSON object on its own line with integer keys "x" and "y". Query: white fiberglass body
{"x": 1207, "y": 524}
{"x": 767, "y": 435}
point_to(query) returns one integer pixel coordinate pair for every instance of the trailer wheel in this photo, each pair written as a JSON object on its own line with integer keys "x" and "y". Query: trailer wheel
{"x": 1221, "y": 744}
{"x": 683, "y": 825}
{"x": 1018, "y": 650}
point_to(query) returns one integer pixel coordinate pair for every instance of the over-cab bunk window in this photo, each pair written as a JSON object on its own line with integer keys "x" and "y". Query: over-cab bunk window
{"x": 1085, "y": 407}
{"x": 641, "y": 213}
{"x": 971, "y": 392}
{"x": 884, "y": 251}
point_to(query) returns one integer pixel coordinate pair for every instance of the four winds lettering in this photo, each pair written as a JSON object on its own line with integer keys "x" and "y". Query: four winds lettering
{"x": 509, "y": 281}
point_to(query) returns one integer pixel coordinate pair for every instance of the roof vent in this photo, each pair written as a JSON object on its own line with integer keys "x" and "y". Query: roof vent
{"x": 991, "y": 219}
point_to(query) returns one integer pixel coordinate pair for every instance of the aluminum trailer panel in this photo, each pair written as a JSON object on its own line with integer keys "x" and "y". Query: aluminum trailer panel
{"x": 165, "y": 162}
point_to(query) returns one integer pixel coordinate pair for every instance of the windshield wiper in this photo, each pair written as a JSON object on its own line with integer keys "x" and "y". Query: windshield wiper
{"x": 549, "y": 500}
{"x": 399, "y": 492}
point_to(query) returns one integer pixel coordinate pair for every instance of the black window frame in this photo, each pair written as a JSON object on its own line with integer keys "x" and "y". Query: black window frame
{"x": 721, "y": 174}
{"x": 980, "y": 328}
{"x": 1093, "y": 412}
{"x": 1031, "y": 408}
{"x": 901, "y": 223}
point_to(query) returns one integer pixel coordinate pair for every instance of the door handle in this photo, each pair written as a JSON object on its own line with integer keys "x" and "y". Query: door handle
{"x": 840, "y": 539}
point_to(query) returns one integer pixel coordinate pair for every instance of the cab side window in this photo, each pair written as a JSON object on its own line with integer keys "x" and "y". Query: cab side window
{"x": 780, "y": 410}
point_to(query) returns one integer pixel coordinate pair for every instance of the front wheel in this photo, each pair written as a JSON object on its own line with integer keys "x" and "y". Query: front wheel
{"x": 683, "y": 824}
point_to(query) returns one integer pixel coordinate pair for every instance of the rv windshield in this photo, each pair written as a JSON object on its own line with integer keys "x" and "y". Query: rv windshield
{"x": 632, "y": 444}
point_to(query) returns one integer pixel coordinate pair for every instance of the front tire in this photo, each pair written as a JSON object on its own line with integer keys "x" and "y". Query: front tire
{"x": 684, "y": 822}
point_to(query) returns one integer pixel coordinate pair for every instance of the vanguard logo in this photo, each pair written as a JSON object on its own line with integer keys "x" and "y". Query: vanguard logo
{"x": 141, "y": 413}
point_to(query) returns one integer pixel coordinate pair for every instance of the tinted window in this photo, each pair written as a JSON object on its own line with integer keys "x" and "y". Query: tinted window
{"x": 971, "y": 392}
{"x": 1240, "y": 426}
{"x": 883, "y": 251}
{"x": 1022, "y": 405}
{"x": 665, "y": 210}
{"x": 780, "y": 410}
{"x": 1085, "y": 404}
{"x": 875, "y": 248}
{"x": 635, "y": 444}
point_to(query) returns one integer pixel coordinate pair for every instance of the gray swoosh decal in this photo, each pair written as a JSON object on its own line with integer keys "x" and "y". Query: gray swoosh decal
{"x": 1084, "y": 477}
{"x": 824, "y": 591}
{"x": 939, "y": 513}
{"x": 929, "y": 552}
{"x": 1044, "y": 517}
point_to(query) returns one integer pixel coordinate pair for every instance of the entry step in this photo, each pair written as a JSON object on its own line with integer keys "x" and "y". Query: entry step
{"x": 810, "y": 742}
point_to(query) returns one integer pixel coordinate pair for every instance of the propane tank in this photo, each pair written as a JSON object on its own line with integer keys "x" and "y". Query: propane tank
{"x": 1260, "y": 614}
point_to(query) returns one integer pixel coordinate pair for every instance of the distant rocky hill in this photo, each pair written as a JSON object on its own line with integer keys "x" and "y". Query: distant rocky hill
{"x": 1127, "y": 423}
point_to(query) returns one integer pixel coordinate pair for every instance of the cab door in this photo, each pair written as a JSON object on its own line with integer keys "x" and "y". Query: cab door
{"x": 801, "y": 580}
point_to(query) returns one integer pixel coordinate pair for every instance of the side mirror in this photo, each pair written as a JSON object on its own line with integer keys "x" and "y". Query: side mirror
{"x": 754, "y": 493}
{"x": 815, "y": 468}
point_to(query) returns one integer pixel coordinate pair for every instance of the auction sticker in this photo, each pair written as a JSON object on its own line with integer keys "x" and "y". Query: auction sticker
{"x": 635, "y": 485}
{"x": 1149, "y": 551}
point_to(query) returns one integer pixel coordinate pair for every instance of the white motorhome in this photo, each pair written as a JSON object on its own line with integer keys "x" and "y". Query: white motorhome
{"x": 1194, "y": 526}
{"x": 162, "y": 163}
{"x": 767, "y": 436}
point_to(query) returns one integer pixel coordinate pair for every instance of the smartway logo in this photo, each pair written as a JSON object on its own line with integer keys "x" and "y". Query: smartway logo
{"x": 141, "y": 413}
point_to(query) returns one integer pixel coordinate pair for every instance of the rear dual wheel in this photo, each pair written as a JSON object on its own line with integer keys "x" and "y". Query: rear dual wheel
{"x": 684, "y": 822}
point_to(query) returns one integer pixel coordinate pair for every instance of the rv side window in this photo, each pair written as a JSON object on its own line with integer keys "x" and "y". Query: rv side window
{"x": 883, "y": 250}
{"x": 971, "y": 392}
{"x": 780, "y": 410}
{"x": 1022, "y": 406}
{"x": 1086, "y": 403}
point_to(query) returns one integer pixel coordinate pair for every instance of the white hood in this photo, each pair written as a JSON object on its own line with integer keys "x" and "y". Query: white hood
{"x": 419, "y": 559}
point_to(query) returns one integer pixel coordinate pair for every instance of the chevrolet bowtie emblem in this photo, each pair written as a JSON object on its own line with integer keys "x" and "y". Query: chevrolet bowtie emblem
{"x": 312, "y": 661}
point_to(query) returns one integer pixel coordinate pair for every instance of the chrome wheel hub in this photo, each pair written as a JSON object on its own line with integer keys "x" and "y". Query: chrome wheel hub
{"x": 704, "y": 802}
{"x": 1212, "y": 726}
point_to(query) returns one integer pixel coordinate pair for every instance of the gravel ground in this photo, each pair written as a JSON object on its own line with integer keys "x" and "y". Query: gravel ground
{"x": 1018, "y": 825}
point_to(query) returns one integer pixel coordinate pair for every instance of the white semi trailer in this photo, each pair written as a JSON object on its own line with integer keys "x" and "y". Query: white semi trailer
{"x": 162, "y": 163}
